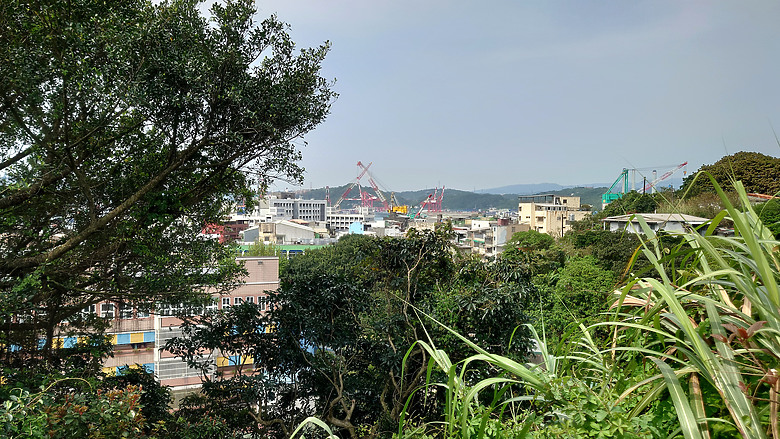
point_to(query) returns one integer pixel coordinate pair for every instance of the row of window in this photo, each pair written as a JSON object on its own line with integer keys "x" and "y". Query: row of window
{"x": 126, "y": 311}
{"x": 263, "y": 302}
{"x": 110, "y": 311}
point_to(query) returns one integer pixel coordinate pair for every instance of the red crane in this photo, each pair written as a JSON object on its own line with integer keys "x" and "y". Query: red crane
{"x": 354, "y": 183}
{"x": 379, "y": 195}
{"x": 651, "y": 184}
{"x": 432, "y": 202}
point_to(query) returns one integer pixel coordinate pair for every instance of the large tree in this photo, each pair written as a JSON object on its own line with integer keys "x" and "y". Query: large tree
{"x": 758, "y": 172}
{"x": 124, "y": 127}
{"x": 343, "y": 346}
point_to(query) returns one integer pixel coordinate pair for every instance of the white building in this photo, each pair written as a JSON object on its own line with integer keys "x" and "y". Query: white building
{"x": 279, "y": 233}
{"x": 488, "y": 238}
{"x": 668, "y": 222}
{"x": 339, "y": 222}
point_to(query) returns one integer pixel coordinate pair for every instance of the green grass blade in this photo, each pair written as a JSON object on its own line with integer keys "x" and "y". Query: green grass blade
{"x": 688, "y": 422}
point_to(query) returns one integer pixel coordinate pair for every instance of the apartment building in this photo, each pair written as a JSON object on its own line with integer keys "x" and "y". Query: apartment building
{"x": 487, "y": 238}
{"x": 138, "y": 337}
{"x": 550, "y": 214}
{"x": 280, "y": 233}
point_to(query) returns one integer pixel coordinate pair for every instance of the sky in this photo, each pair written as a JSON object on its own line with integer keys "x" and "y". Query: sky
{"x": 476, "y": 95}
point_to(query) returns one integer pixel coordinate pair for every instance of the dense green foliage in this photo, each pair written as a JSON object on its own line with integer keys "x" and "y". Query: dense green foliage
{"x": 572, "y": 278}
{"x": 344, "y": 328}
{"x": 769, "y": 213}
{"x": 693, "y": 353}
{"x": 759, "y": 173}
{"x": 124, "y": 127}
{"x": 79, "y": 413}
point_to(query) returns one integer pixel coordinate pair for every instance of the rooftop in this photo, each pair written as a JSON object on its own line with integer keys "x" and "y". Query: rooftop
{"x": 659, "y": 218}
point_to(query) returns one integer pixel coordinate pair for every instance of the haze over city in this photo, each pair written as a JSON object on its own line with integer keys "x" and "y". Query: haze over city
{"x": 475, "y": 95}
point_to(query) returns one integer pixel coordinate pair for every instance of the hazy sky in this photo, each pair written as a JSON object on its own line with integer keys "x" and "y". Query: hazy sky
{"x": 470, "y": 94}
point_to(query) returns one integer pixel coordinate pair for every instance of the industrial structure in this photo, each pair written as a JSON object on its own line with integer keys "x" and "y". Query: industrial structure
{"x": 621, "y": 185}
{"x": 432, "y": 204}
{"x": 366, "y": 199}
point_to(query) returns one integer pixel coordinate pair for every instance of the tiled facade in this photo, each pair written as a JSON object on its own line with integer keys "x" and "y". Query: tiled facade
{"x": 138, "y": 338}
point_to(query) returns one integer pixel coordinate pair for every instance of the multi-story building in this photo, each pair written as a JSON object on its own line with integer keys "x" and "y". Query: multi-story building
{"x": 550, "y": 214}
{"x": 280, "y": 233}
{"x": 281, "y": 206}
{"x": 138, "y": 337}
{"x": 487, "y": 238}
{"x": 307, "y": 210}
{"x": 341, "y": 222}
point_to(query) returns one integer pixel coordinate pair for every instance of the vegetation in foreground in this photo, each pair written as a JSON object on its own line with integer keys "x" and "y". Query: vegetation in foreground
{"x": 125, "y": 127}
{"x": 694, "y": 353}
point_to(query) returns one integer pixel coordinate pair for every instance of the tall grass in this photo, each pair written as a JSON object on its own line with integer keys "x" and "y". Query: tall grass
{"x": 703, "y": 333}
{"x": 720, "y": 322}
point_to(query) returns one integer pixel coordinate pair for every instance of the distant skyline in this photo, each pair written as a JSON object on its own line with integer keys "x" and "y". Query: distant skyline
{"x": 475, "y": 95}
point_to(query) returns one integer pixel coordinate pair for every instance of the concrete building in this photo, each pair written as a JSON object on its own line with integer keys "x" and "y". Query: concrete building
{"x": 307, "y": 210}
{"x": 668, "y": 222}
{"x": 550, "y": 214}
{"x": 278, "y": 207}
{"x": 138, "y": 336}
{"x": 340, "y": 222}
{"x": 487, "y": 238}
{"x": 280, "y": 233}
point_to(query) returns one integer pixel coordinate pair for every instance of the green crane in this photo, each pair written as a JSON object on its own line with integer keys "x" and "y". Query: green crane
{"x": 608, "y": 196}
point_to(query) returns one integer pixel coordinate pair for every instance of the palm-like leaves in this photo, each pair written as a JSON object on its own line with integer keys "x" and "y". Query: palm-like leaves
{"x": 719, "y": 319}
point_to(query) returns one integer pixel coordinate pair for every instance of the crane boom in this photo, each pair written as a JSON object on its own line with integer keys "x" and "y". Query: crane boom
{"x": 354, "y": 183}
{"x": 608, "y": 196}
{"x": 374, "y": 186}
{"x": 651, "y": 185}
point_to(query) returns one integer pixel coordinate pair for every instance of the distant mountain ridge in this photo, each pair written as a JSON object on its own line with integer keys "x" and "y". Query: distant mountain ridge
{"x": 470, "y": 201}
{"x": 534, "y": 188}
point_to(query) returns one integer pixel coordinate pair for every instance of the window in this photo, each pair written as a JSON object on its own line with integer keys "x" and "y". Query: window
{"x": 107, "y": 310}
{"x": 91, "y": 309}
{"x": 263, "y": 301}
{"x": 168, "y": 310}
{"x": 237, "y": 300}
{"x": 125, "y": 311}
{"x": 250, "y": 299}
{"x": 165, "y": 310}
{"x": 225, "y": 302}
{"x": 212, "y": 306}
{"x": 141, "y": 314}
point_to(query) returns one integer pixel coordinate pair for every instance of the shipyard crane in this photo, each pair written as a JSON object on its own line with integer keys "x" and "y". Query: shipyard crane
{"x": 432, "y": 202}
{"x": 622, "y": 186}
{"x": 395, "y": 207}
{"x": 609, "y": 196}
{"x": 652, "y": 184}
{"x": 374, "y": 186}
{"x": 354, "y": 183}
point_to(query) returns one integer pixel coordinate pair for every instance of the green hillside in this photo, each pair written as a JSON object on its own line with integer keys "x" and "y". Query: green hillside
{"x": 459, "y": 200}
{"x": 588, "y": 195}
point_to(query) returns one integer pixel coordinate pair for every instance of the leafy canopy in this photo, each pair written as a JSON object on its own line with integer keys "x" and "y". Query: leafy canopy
{"x": 759, "y": 173}
{"x": 124, "y": 128}
{"x": 345, "y": 326}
